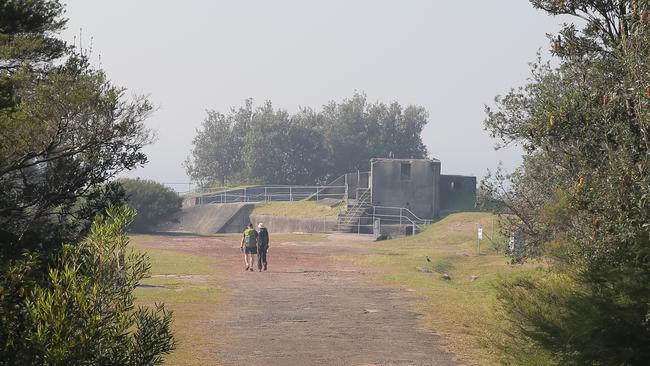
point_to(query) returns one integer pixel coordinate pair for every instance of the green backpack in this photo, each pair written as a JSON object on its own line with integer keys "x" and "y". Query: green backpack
{"x": 250, "y": 238}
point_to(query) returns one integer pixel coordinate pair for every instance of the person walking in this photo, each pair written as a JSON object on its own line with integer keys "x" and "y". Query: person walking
{"x": 262, "y": 246}
{"x": 249, "y": 247}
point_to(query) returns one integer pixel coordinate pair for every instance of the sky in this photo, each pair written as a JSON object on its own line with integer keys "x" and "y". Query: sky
{"x": 451, "y": 57}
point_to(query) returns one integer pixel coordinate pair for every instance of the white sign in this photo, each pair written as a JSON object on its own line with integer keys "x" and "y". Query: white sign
{"x": 480, "y": 233}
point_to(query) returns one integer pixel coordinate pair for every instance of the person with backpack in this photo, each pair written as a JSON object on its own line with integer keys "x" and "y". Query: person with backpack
{"x": 249, "y": 242}
{"x": 262, "y": 246}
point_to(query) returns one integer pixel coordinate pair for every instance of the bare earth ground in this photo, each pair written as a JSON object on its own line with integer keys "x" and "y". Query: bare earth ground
{"x": 308, "y": 309}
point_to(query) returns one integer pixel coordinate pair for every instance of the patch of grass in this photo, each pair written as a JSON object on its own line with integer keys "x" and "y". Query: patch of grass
{"x": 187, "y": 284}
{"x": 462, "y": 310}
{"x": 306, "y": 209}
{"x": 443, "y": 265}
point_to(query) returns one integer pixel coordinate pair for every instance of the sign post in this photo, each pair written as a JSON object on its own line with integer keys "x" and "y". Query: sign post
{"x": 376, "y": 228}
{"x": 479, "y": 238}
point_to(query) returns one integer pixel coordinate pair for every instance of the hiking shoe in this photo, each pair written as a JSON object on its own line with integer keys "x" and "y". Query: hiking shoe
{"x": 246, "y": 269}
{"x": 252, "y": 270}
{"x": 265, "y": 268}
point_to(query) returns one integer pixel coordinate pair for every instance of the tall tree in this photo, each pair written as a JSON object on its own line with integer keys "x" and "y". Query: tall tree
{"x": 272, "y": 146}
{"x": 65, "y": 131}
{"x": 217, "y": 150}
{"x": 27, "y": 36}
{"x": 580, "y": 200}
{"x": 281, "y": 149}
{"x": 357, "y": 131}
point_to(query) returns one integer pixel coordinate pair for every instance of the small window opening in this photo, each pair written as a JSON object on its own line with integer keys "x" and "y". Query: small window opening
{"x": 406, "y": 171}
{"x": 453, "y": 185}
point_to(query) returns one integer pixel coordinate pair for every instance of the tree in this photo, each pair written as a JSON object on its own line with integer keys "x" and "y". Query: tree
{"x": 65, "y": 132}
{"x": 280, "y": 149}
{"x": 580, "y": 200}
{"x": 308, "y": 147}
{"x": 26, "y": 36}
{"x": 68, "y": 132}
{"x": 77, "y": 305}
{"x": 218, "y": 146}
{"x": 357, "y": 131}
{"x": 153, "y": 202}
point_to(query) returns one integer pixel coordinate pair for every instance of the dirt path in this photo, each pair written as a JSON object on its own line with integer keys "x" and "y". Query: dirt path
{"x": 310, "y": 310}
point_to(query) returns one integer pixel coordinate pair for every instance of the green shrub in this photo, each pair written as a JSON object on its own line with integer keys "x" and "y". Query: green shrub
{"x": 76, "y": 307}
{"x": 153, "y": 201}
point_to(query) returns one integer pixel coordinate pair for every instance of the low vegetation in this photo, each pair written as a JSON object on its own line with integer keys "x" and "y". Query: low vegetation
{"x": 462, "y": 308}
{"x": 153, "y": 201}
{"x": 82, "y": 311}
{"x": 187, "y": 285}
{"x": 305, "y": 209}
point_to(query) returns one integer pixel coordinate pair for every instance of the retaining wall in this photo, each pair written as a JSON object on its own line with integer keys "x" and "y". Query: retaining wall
{"x": 211, "y": 218}
{"x": 281, "y": 224}
{"x": 233, "y": 217}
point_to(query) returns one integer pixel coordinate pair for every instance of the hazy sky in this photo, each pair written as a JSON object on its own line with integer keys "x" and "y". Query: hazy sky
{"x": 452, "y": 57}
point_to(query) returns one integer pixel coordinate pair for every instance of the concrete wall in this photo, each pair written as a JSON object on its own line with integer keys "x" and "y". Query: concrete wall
{"x": 418, "y": 191}
{"x": 239, "y": 220}
{"x": 211, "y": 218}
{"x": 280, "y": 224}
{"x": 457, "y": 193}
{"x": 233, "y": 217}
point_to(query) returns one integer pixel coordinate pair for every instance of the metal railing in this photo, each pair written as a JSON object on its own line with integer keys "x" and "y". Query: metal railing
{"x": 275, "y": 194}
{"x": 358, "y": 209}
{"x": 400, "y": 213}
{"x": 400, "y": 217}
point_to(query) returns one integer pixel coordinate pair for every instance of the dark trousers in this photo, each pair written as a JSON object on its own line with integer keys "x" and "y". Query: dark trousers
{"x": 261, "y": 258}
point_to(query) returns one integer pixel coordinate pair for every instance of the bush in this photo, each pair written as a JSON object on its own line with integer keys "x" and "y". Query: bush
{"x": 75, "y": 307}
{"x": 153, "y": 201}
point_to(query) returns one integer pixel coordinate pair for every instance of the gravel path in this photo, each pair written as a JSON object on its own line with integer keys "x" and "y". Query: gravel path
{"x": 309, "y": 309}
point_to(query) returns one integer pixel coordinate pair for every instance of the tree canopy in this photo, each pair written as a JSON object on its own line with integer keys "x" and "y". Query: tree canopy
{"x": 580, "y": 199}
{"x": 65, "y": 131}
{"x": 269, "y": 145}
{"x": 153, "y": 202}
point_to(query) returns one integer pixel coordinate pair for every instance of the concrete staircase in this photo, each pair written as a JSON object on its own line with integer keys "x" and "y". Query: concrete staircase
{"x": 356, "y": 219}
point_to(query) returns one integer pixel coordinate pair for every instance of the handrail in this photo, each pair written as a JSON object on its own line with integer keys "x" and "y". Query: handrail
{"x": 357, "y": 208}
{"x": 273, "y": 193}
{"x": 407, "y": 210}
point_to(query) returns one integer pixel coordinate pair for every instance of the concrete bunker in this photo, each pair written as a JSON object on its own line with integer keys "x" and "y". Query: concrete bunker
{"x": 397, "y": 196}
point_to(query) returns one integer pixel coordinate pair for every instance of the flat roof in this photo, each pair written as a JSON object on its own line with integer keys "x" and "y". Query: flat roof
{"x": 390, "y": 159}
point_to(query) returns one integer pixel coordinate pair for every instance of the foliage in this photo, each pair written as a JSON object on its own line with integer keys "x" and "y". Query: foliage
{"x": 218, "y": 145}
{"x": 264, "y": 144}
{"x": 152, "y": 201}
{"x": 580, "y": 199}
{"x": 284, "y": 149}
{"x": 76, "y": 306}
{"x": 65, "y": 131}
{"x": 356, "y": 131}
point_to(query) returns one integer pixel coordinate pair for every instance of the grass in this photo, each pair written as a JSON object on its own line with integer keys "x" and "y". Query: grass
{"x": 463, "y": 310}
{"x": 186, "y": 283}
{"x": 305, "y": 209}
